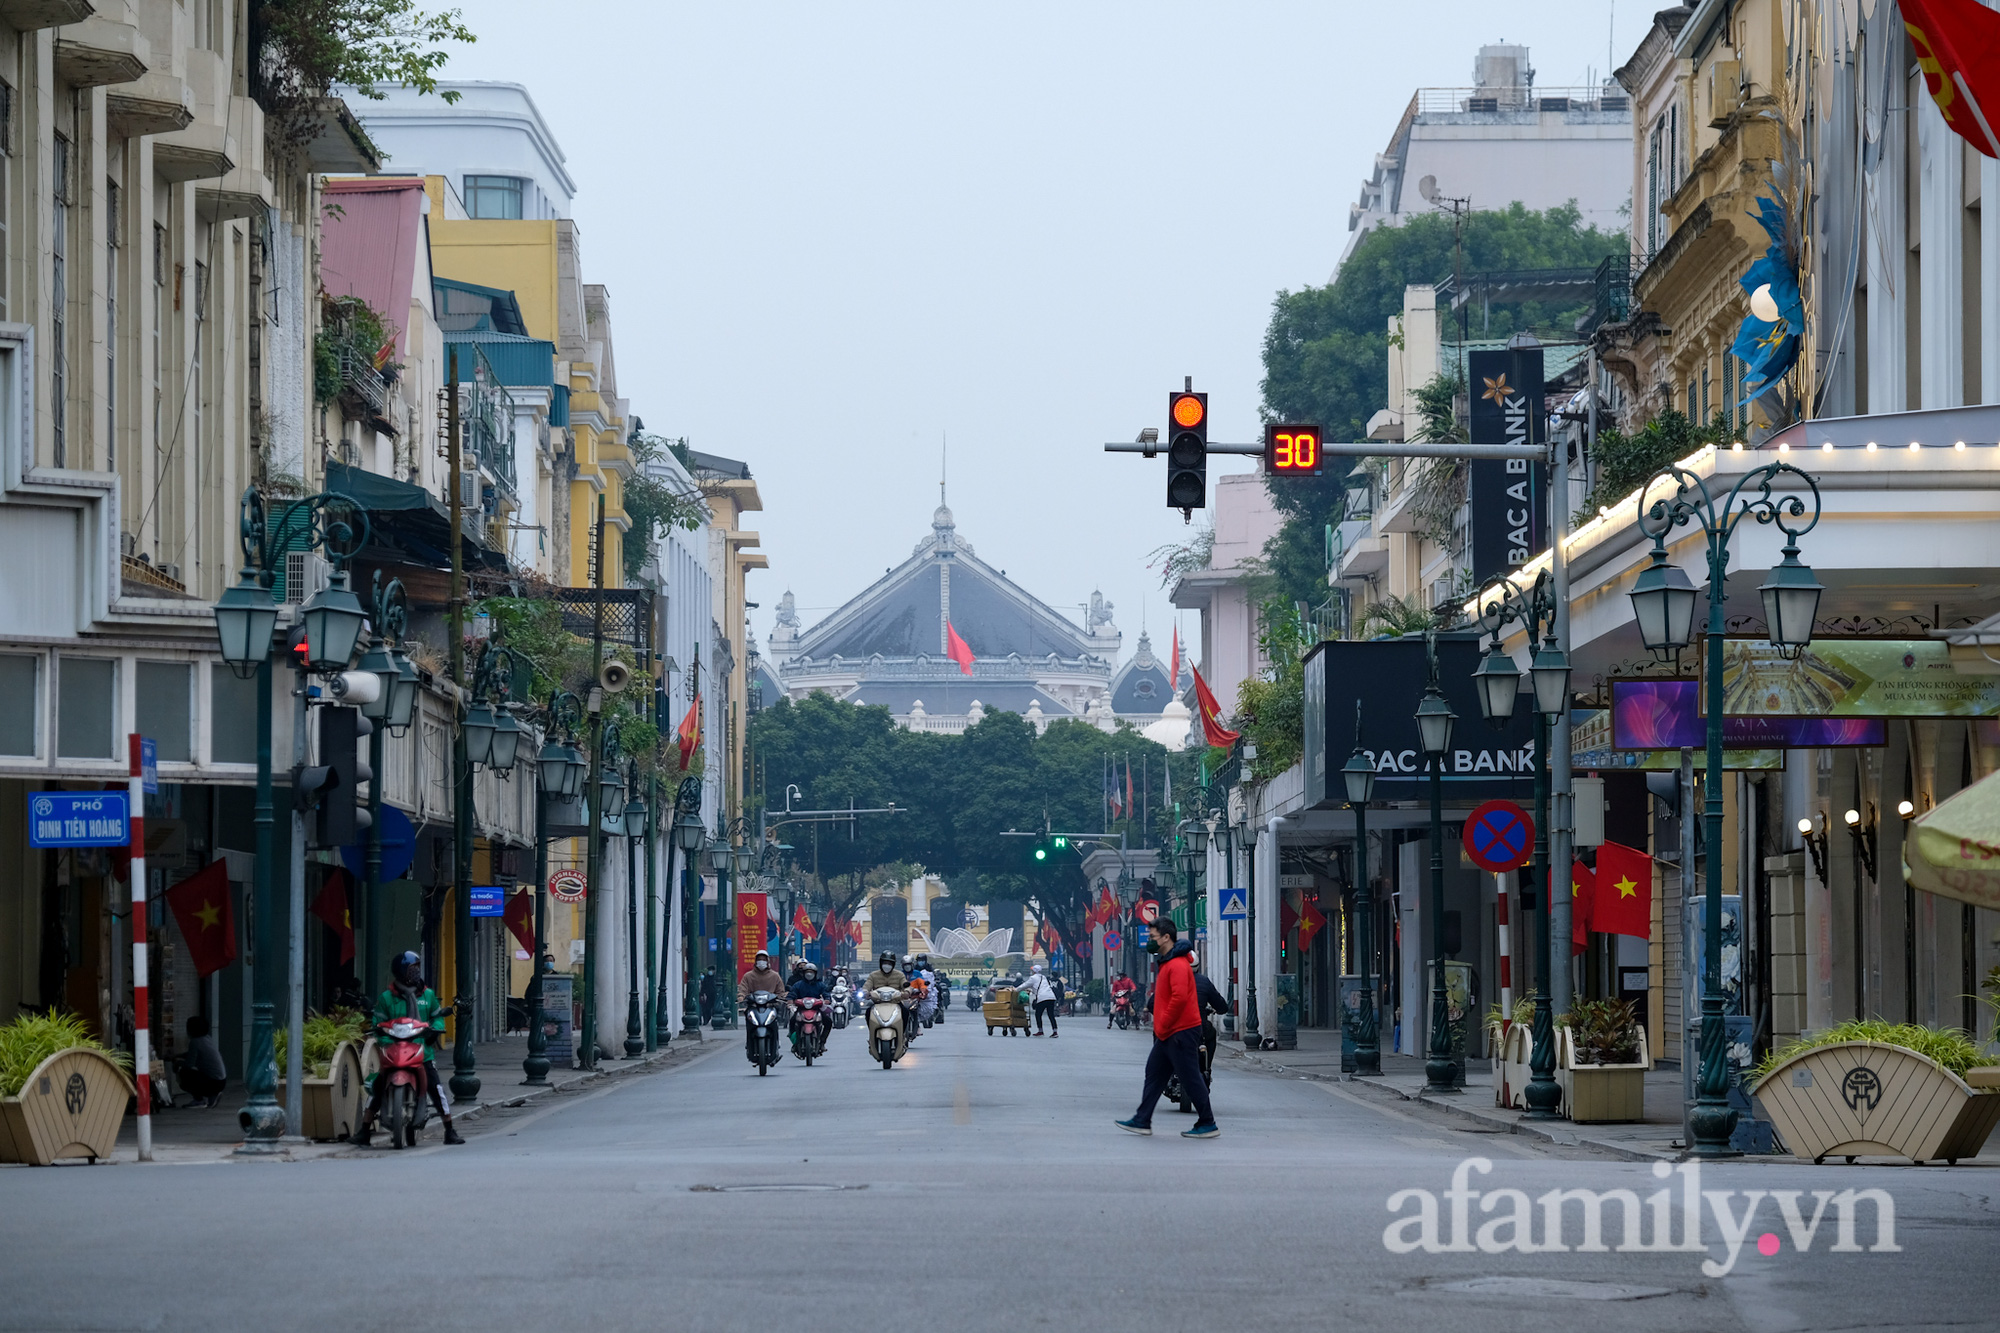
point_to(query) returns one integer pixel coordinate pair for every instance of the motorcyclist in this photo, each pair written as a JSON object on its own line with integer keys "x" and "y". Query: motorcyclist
{"x": 944, "y": 994}
{"x": 408, "y": 997}
{"x": 887, "y": 974}
{"x": 806, "y": 982}
{"x": 761, "y": 976}
{"x": 1123, "y": 986}
{"x": 927, "y": 1006}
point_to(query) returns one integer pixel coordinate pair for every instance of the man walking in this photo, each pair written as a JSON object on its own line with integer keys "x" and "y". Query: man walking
{"x": 1043, "y": 993}
{"x": 707, "y": 996}
{"x": 1176, "y": 1037}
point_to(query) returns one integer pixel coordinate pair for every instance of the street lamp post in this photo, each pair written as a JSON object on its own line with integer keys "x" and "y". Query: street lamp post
{"x": 559, "y": 776}
{"x": 1499, "y": 685}
{"x": 392, "y": 710}
{"x": 687, "y": 798}
{"x": 1434, "y": 719}
{"x": 719, "y": 860}
{"x": 488, "y": 737}
{"x": 1663, "y": 603}
{"x": 1358, "y": 773}
{"x": 690, "y": 837}
{"x": 636, "y": 813}
{"x": 1252, "y": 1038}
{"x": 245, "y": 618}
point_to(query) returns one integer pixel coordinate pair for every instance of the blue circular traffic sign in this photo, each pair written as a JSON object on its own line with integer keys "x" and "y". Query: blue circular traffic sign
{"x": 1499, "y": 836}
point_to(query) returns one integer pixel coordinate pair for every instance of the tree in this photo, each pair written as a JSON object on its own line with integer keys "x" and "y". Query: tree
{"x": 303, "y": 48}
{"x": 1326, "y": 349}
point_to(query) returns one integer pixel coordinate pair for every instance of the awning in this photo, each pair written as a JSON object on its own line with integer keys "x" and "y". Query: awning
{"x": 1954, "y": 850}
{"x": 407, "y": 524}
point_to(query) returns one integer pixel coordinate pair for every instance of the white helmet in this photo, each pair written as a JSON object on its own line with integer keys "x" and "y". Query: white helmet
{"x": 1037, "y": 967}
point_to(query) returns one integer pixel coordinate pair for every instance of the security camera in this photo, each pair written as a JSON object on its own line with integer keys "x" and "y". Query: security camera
{"x": 357, "y": 687}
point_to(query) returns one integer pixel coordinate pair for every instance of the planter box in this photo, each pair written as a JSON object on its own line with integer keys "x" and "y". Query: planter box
{"x": 71, "y": 1106}
{"x": 1870, "y": 1099}
{"x": 1513, "y": 1046}
{"x": 1601, "y": 1094}
{"x": 330, "y": 1107}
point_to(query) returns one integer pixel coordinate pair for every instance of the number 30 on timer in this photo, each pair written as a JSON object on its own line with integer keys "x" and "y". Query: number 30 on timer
{"x": 1292, "y": 450}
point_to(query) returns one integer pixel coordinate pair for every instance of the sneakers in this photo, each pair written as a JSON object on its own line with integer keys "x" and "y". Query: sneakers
{"x": 1134, "y": 1127}
{"x": 1209, "y": 1131}
{"x": 1053, "y": 1035}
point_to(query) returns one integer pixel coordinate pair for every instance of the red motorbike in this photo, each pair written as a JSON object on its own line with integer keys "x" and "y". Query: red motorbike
{"x": 810, "y": 1021}
{"x": 1121, "y": 1010}
{"x": 403, "y": 1048}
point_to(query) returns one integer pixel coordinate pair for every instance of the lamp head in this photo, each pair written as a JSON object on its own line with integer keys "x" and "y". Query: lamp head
{"x": 244, "y": 620}
{"x": 1499, "y": 681}
{"x": 1663, "y": 603}
{"x": 1791, "y": 602}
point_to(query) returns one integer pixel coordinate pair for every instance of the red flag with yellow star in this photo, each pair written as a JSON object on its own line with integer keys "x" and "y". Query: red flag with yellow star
{"x": 201, "y": 908}
{"x": 1957, "y": 45}
{"x": 331, "y": 906}
{"x": 1582, "y": 898}
{"x": 1624, "y": 899}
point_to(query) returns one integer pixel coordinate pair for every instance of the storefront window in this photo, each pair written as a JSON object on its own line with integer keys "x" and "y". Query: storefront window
{"x": 232, "y": 718}
{"x": 164, "y": 701}
{"x": 20, "y": 703}
{"x": 87, "y": 708}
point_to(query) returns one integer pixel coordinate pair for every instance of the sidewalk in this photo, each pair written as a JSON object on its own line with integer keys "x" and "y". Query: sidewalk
{"x": 209, "y": 1134}
{"x": 1657, "y": 1138}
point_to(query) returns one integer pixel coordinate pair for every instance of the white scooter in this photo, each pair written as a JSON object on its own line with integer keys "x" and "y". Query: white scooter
{"x": 840, "y": 994}
{"x": 885, "y": 1025}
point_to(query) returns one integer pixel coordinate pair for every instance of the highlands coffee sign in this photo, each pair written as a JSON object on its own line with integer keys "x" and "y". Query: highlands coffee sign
{"x": 1386, "y": 678}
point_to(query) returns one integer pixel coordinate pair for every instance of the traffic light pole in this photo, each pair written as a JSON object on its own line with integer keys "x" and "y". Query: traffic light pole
{"x": 295, "y": 925}
{"x": 1361, "y": 449}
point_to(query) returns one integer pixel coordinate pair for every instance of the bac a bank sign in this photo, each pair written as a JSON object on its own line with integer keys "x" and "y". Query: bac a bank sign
{"x": 1386, "y": 678}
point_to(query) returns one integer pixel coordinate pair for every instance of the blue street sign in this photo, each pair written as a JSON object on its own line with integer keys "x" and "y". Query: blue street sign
{"x": 488, "y": 900}
{"x": 1235, "y": 905}
{"x": 1113, "y": 941}
{"x": 78, "y": 819}
{"x": 399, "y": 846}
{"x": 149, "y": 766}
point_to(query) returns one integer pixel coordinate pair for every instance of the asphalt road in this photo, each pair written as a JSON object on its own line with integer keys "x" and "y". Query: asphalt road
{"x": 978, "y": 1185}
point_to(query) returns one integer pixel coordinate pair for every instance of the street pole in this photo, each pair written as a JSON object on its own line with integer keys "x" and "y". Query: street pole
{"x": 370, "y": 891}
{"x": 1358, "y": 776}
{"x": 1543, "y": 1094}
{"x": 262, "y": 1119}
{"x": 1561, "y": 787}
{"x": 593, "y": 819}
{"x": 536, "y": 1065}
{"x": 690, "y": 924}
{"x": 1251, "y": 1037}
{"x": 295, "y": 931}
{"x": 1438, "y": 1067}
{"x": 635, "y": 1037}
{"x": 656, "y": 954}
{"x": 464, "y": 1064}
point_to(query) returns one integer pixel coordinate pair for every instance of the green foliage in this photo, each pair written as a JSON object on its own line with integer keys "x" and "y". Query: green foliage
{"x": 352, "y": 330}
{"x": 33, "y": 1038}
{"x": 1392, "y": 618}
{"x": 323, "y": 1035}
{"x": 304, "y": 47}
{"x": 1176, "y": 560}
{"x": 1272, "y": 708}
{"x": 1524, "y": 1012}
{"x": 1624, "y": 462}
{"x": 654, "y": 505}
{"x": 1326, "y": 349}
{"x": 1605, "y": 1032}
{"x": 1949, "y": 1047}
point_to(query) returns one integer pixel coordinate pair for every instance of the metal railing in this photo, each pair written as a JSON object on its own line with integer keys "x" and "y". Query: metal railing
{"x": 1459, "y": 101}
{"x": 486, "y": 416}
{"x": 359, "y": 376}
{"x": 1611, "y": 296}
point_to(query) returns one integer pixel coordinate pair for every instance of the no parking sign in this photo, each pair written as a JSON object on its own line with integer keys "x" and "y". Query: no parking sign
{"x": 1499, "y": 836}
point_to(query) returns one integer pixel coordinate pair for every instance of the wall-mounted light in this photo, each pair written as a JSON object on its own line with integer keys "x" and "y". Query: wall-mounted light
{"x": 1906, "y": 808}
{"x": 1863, "y": 833}
{"x": 1815, "y": 840}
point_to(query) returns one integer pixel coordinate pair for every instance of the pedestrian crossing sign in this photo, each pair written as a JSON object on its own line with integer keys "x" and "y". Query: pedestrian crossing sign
{"x": 1235, "y": 906}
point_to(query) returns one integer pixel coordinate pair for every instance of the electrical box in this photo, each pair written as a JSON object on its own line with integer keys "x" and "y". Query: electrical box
{"x": 1587, "y": 811}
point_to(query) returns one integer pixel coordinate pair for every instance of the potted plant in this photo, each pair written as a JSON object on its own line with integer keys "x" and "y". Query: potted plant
{"x": 1876, "y": 1089}
{"x": 332, "y": 1090}
{"x": 1511, "y": 1042}
{"x": 62, "y": 1093}
{"x": 1601, "y": 1062}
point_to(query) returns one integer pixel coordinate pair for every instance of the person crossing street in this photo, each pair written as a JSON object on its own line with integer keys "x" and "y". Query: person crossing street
{"x": 1044, "y": 996}
{"x": 1176, "y": 1036}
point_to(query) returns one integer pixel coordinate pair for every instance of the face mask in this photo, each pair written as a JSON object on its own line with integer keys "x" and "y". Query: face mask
{"x": 1152, "y": 946}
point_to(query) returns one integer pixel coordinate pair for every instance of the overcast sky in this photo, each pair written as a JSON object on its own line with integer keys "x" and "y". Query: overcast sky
{"x": 836, "y": 234}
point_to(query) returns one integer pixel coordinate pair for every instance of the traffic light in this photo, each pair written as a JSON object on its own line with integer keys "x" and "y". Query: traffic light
{"x": 1187, "y": 450}
{"x": 330, "y": 792}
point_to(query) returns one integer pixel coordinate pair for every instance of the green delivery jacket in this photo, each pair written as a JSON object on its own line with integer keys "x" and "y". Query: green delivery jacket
{"x": 392, "y": 1004}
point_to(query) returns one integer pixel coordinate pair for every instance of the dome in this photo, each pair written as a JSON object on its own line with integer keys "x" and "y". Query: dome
{"x": 941, "y": 521}
{"x": 1173, "y": 728}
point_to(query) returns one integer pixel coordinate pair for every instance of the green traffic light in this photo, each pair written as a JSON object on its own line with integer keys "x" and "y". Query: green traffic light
{"x": 1041, "y": 853}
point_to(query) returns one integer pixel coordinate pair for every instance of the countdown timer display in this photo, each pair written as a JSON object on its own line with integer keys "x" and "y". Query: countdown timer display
{"x": 1292, "y": 451}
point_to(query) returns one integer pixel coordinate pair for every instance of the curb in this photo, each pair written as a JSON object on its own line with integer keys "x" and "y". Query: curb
{"x": 1561, "y": 1137}
{"x": 607, "y": 1068}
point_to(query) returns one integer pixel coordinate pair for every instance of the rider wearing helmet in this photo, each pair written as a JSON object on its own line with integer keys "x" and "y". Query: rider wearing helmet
{"x": 805, "y": 981}
{"x": 761, "y": 976}
{"x": 886, "y": 973}
{"x": 408, "y": 997}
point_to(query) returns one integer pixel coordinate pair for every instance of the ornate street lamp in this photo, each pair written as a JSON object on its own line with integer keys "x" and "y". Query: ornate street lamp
{"x": 634, "y": 817}
{"x": 1358, "y": 775}
{"x": 478, "y": 728}
{"x": 333, "y": 619}
{"x": 506, "y": 740}
{"x": 689, "y": 834}
{"x": 244, "y": 620}
{"x": 1791, "y": 597}
{"x": 552, "y": 783}
{"x": 1550, "y": 674}
{"x": 611, "y": 795}
{"x": 1499, "y": 683}
{"x": 1663, "y": 603}
{"x": 1434, "y": 719}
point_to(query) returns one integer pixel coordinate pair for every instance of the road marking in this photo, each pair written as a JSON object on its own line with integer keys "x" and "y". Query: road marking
{"x": 961, "y": 1104}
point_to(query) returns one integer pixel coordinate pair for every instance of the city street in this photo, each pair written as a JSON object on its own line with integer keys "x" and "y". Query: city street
{"x": 980, "y": 1184}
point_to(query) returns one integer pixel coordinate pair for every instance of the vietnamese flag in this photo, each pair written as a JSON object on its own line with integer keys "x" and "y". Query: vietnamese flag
{"x": 1311, "y": 920}
{"x": 688, "y": 734}
{"x": 520, "y": 919}
{"x": 1211, "y": 713}
{"x": 803, "y": 923}
{"x": 201, "y": 908}
{"x": 1958, "y": 49}
{"x": 956, "y": 649}
{"x": 1174, "y": 669}
{"x": 331, "y": 907}
{"x": 1582, "y": 900}
{"x": 1624, "y": 899}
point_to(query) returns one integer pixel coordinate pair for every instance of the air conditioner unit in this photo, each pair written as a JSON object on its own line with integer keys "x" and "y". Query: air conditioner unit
{"x": 1725, "y": 92}
{"x": 306, "y": 572}
{"x": 468, "y": 489}
{"x": 1444, "y": 592}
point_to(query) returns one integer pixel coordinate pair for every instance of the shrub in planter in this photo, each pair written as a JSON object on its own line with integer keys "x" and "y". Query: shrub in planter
{"x": 1870, "y": 1088}
{"x": 323, "y": 1035}
{"x": 332, "y": 1090}
{"x": 62, "y": 1093}
{"x": 1511, "y": 1045}
{"x": 1601, "y": 1062}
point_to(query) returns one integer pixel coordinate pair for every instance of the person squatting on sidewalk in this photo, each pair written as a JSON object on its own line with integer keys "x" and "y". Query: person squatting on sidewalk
{"x": 1176, "y": 1037}
{"x": 1043, "y": 993}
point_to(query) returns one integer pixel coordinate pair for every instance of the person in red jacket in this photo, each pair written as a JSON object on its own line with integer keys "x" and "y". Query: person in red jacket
{"x": 1176, "y": 1036}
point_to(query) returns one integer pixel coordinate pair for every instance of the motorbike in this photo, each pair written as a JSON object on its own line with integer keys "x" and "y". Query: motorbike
{"x": 1121, "y": 1010}
{"x": 885, "y": 1025}
{"x": 402, "y": 1051}
{"x": 809, "y": 1028}
{"x": 760, "y": 1031}
{"x": 840, "y": 997}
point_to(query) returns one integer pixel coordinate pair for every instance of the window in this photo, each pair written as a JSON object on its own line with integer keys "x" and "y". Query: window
{"x": 86, "y": 708}
{"x": 20, "y": 705}
{"x": 6, "y": 171}
{"x": 232, "y": 717}
{"x": 111, "y": 256}
{"x": 59, "y": 302}
{"x": 163, "y": 701}
{"x": 492, "y": 197}
{"x": 159, "y": 351}
{"x": 1702, "y": 420}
